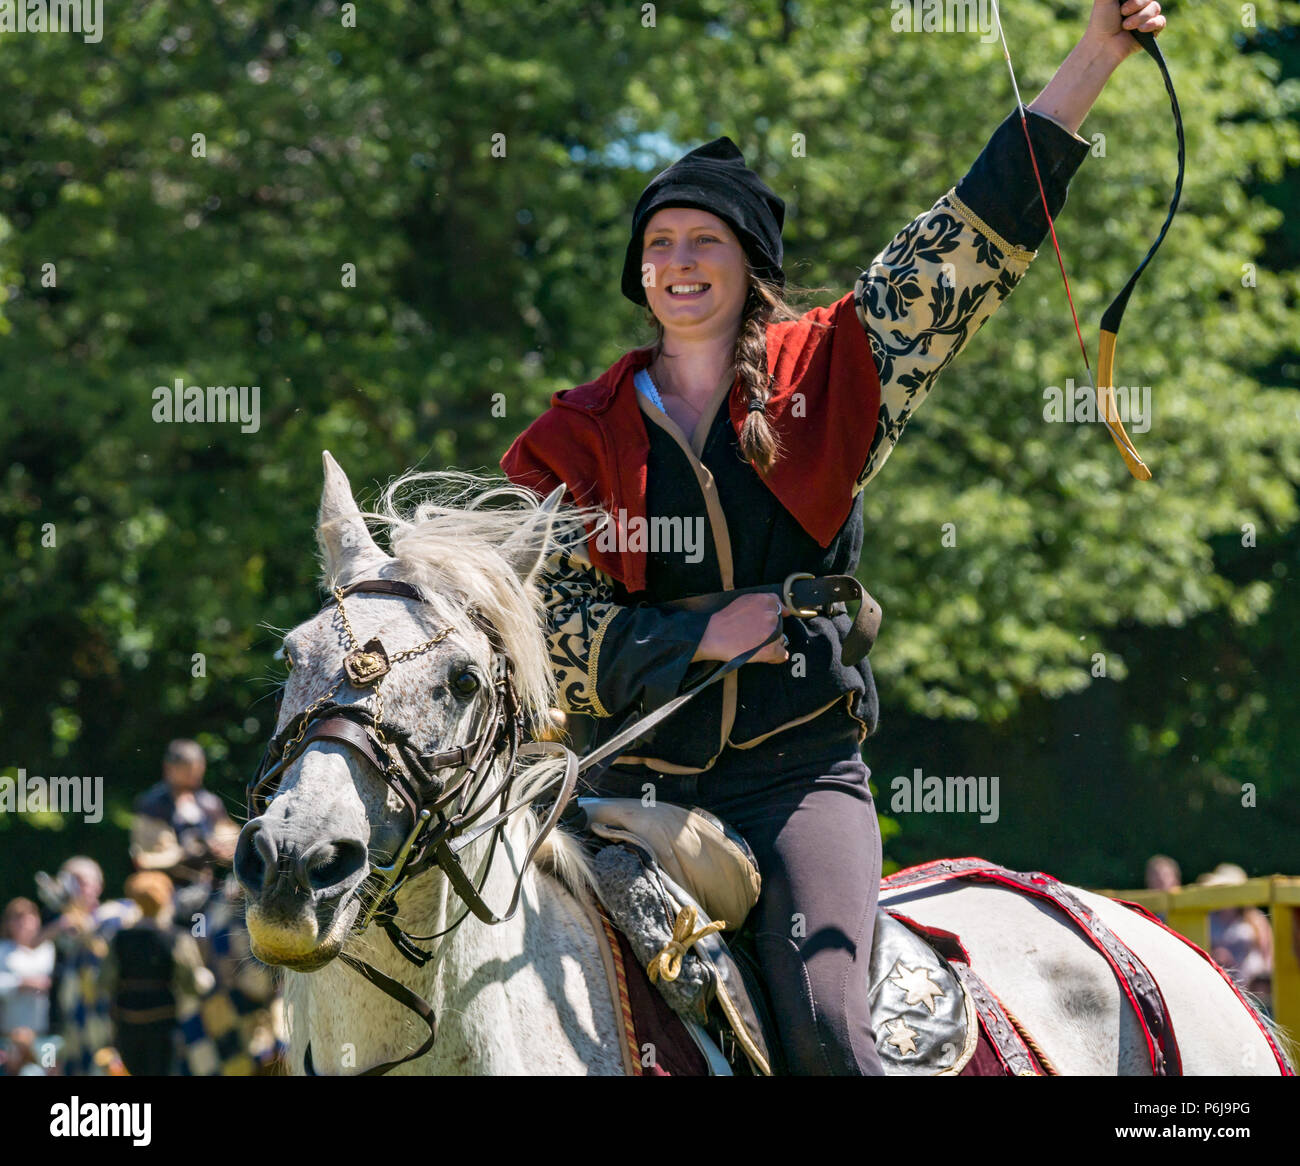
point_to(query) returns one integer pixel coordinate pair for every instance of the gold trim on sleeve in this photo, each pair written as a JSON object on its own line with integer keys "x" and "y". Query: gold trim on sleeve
{"x": 971, "y": 219}
{"x": 593, "y": 654}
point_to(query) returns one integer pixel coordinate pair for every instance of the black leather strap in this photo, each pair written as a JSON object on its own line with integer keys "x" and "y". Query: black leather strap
{"x": 817, "y": 594}
{"x": 384, "y": 587}
{"x": 403, "y": 995}
{"x": 446, "y": 849}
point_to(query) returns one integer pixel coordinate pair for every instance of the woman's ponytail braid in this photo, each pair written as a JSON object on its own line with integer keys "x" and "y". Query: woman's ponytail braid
{"x": 758, "y": 441}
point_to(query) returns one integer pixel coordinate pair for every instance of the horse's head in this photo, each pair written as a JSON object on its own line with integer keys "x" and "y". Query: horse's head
{"x": 339, "y": 799}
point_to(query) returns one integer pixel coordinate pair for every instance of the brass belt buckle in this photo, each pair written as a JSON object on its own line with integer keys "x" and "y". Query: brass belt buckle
{"x": 801, "y": 612}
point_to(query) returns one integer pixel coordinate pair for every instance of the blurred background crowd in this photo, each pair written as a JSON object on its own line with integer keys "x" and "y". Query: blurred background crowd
{"x": 155, "y": 982}
{"x": 1241, "y": 938}
{"x": 159, "y": 981}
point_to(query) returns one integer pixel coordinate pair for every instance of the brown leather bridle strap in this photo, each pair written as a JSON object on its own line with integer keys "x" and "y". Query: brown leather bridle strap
{"x": 396, "y": 991}
{"x": 348, "y": 732}
{"x": 384, "y": 587}
{"x": 449, "y": 862}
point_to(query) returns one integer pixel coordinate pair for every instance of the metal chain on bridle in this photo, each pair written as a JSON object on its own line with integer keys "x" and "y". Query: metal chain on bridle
{"x": 447, "y": 812}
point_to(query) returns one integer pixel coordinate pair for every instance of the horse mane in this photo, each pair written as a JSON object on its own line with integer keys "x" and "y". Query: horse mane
{"x": 447, "y": 532}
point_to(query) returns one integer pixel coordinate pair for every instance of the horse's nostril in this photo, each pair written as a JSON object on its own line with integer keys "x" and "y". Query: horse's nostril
{"x": 328, "y": 863}
{"x": 255, "y": 856}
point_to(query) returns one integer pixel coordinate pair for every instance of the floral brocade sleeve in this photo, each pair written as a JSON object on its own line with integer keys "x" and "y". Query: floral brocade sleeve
{"x": 579, "y": 599}
{"x": 940, "y": 279}
{"x": 585, "y": 625}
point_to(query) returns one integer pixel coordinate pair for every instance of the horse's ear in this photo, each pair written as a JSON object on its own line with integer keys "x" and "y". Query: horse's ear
{"x": 526, "y": 548}
{"x": 344, "y": 538}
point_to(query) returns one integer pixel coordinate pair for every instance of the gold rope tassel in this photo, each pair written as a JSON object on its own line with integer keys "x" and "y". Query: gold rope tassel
{"x": 668, "y": 961}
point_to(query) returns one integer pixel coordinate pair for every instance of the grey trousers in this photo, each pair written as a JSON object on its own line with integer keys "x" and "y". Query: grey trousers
{"x": 804, "y": 806}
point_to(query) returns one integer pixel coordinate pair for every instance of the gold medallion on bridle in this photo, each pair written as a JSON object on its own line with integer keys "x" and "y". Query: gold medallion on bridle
{"x": 366, "y": 665}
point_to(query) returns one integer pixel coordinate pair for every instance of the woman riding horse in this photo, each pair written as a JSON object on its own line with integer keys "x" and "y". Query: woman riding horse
{"x": 731, "y": 453}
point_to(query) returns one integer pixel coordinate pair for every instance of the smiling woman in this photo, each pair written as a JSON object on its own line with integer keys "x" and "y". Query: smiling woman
{"x": 692, "y": 269}
{"x": 730, "y": 357}
{"x": 699, "y": 283}
{"x": 766, "y": 425}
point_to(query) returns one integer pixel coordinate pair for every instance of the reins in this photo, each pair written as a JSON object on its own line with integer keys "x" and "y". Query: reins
{"x": 446, "y": 813}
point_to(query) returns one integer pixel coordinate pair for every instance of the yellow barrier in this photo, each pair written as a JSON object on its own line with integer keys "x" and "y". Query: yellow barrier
{"x": 1187, "y": 911}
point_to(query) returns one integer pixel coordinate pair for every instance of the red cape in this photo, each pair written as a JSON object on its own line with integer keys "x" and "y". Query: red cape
{"x": 824, "y": 406}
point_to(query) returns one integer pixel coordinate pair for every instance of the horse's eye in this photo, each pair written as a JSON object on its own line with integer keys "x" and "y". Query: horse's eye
{"x": 465, "y": 682}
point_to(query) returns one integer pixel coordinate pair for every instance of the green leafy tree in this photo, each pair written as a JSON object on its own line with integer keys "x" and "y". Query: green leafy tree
{"x": 407, "y": 228}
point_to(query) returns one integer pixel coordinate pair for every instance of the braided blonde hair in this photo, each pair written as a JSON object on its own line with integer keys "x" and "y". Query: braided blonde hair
{"x": 765, "y": 303}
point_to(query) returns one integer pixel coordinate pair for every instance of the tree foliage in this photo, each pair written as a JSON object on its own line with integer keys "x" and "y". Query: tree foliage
{"x": 477, "y": 164}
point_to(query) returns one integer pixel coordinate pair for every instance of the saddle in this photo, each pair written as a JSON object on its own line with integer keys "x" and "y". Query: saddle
{"x": 672, "y": 880}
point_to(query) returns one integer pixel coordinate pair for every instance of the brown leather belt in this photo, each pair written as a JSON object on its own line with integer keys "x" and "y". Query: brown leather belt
{"x": 808, "y": 595}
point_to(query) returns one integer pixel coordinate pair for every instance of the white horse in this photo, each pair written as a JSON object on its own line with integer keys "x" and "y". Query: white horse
{"x": 530, "y": 995}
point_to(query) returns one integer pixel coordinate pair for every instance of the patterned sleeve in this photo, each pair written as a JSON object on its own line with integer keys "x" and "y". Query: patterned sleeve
{"x": 923, "y": 297}
{"x": 941, "y": 278}
{"x": 606, "y": 656}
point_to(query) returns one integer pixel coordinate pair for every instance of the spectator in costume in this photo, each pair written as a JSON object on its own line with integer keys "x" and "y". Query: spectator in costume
{"x": 182, "y": 829}
{"x": 81, "y": 931}
{"x": 150, "y": 967}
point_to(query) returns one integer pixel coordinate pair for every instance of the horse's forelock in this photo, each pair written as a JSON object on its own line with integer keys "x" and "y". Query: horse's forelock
{"x": 447, "y": 531}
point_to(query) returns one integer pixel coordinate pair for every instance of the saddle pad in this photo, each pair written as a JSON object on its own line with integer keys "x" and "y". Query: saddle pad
{"x": 1135, "y": 981}
{"x": 658, "y": 1040}
{"x": 936, "y": 1034}
{"x": 696, "y": 849}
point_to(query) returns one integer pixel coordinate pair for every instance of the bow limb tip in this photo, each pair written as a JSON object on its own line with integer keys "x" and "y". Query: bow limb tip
{"x": 1110, "y": 413}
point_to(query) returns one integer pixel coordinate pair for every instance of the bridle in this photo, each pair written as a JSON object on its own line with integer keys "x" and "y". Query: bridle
{"x": 447, "y": 812}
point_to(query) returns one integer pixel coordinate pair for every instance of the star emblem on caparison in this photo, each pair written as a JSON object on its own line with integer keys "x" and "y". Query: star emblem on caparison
{"x": 917, "y": 984}
{"x": 900, "y": 1035}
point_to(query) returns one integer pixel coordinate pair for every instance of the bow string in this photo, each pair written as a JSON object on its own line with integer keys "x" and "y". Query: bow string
{"x": 1104, "y": 388}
